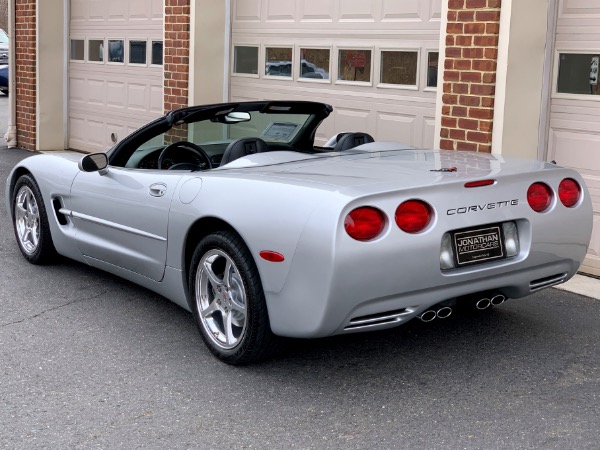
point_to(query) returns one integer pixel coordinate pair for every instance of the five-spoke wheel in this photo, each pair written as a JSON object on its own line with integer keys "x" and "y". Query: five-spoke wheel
{"x": 228, "y": 300}
{"x": 221, "y": 299}
{"x": 30, "y": 222}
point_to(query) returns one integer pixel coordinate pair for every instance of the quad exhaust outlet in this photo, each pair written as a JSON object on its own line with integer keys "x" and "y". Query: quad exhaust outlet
{"x": 480, "y": 301}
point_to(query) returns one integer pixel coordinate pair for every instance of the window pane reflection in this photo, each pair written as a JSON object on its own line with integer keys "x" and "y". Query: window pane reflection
{"x": 355, "y": 65}
{"x": 116, "y": 50}
{"x": 245, "y": 60}
{"x": 578, "y": 73}
{"x": 398, "y": 67}
{"x": 314, "y": 63}
{"x": 278, "y": 62}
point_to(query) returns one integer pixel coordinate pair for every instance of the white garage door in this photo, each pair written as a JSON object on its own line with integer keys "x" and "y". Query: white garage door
{"x": 115, "y": 69}
{"x": 574, "y": 139}
{"x": 374, "y": 61}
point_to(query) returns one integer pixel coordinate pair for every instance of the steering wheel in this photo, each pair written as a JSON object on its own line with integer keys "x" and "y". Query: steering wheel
{"x": 190, "y": 147}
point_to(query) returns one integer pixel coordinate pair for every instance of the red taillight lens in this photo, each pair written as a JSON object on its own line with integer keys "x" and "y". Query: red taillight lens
{"x": 539, "y": 196}
{"x": 364, "y": 224}
{"x": 569, "y": 192}
{"x": 413, "y": 216}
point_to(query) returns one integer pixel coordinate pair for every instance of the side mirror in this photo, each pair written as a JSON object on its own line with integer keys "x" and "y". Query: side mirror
{"x": 96, "y": 162}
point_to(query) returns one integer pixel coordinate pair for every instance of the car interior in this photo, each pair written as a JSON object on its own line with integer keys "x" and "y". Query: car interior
{"x": 202, "y": 138}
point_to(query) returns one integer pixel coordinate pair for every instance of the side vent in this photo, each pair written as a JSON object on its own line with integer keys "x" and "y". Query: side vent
{"x": 57, "y": 205}
{"x": 542, "y": 283}
{"x": 374, "y": 320}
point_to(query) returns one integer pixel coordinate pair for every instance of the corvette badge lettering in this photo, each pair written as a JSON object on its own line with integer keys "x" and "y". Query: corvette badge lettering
{"x": 476, "y": 208}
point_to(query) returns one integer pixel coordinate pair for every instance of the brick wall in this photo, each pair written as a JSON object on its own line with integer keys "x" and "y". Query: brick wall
{"x": 25, "y": 36}
{"x": 470, "y": 74}
{"x": 177, "y": 51}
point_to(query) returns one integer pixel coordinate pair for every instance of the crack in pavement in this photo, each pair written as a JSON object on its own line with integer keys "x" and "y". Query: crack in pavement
{"x": 54, "y": 308}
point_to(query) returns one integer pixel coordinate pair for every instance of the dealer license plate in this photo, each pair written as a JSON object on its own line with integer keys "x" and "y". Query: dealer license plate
{"x": 477, "y": 245}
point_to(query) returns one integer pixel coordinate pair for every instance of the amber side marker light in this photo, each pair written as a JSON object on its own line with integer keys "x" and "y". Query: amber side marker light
{"x": 479, "y": 183}
{"x": 569, "y": 192}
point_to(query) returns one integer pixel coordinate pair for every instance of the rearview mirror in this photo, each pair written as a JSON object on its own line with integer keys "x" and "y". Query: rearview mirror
{"x": 232, "y": 117}
{"x": 96, "y": 162}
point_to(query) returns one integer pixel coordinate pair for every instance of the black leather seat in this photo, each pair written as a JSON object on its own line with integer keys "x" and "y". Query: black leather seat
{"x": 350, "y": 140}
{"x": 242, "y": 147}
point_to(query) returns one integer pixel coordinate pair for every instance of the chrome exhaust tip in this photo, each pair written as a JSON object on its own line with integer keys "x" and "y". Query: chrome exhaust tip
{"x": 428, "y": 315}
{"x": 482, "y": 304}
{"x": 498, "y": 299}
{"x": 443, "y": 312}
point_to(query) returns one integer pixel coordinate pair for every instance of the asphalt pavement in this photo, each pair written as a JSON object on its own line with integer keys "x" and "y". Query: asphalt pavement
{"x": 91, "y": 361}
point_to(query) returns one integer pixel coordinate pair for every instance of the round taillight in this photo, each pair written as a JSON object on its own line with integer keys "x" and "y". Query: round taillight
{"x": 539, "y": 197}
{"x": 413, "y": 216}
{"x": 569, "y": 192}
{"x": 364, "y": 223}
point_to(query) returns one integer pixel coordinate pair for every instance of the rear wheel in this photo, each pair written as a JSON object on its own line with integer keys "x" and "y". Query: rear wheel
{"x": 228, "y": 300}
{"x": 30, "y": 222}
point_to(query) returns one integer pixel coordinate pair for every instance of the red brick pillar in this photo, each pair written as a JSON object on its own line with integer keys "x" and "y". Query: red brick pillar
{"x": 470, "y": 74}
{"x": 177, "y": 51}
{"x": 25, "y": 55}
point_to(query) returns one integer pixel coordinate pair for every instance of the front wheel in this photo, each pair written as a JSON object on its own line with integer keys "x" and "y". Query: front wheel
{"x": 228, "y": 300}
{"x": 30, "y": 222}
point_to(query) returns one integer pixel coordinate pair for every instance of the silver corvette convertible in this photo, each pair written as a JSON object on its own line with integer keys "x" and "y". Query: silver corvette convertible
{"x": 233, "y": 213}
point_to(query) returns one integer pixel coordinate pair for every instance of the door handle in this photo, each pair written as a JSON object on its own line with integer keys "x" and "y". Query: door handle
{"x": 158, "y": 189}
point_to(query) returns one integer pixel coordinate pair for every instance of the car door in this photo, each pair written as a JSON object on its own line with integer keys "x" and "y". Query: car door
{"x": 122, "y": 217}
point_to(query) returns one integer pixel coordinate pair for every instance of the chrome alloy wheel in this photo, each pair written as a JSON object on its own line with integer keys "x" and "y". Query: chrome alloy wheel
{"x": 221, "y": 299}
{"x": 27, "y": 220}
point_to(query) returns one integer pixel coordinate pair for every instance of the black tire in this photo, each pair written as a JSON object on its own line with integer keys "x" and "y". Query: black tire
{"x": 251, "y": 342}
{"x": 41, "y": 250}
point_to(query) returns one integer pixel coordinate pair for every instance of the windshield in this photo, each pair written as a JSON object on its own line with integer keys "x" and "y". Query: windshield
{"x": 3, "y": 37}
{"x": 210, "y": 131}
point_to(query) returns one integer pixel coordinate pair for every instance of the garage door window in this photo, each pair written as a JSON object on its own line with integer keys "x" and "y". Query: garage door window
{"x": 314, "y": 63}
{"x": 96, "y": 50}
{"x": 157, "y": 53}
{"x": 278, "y": 62}
{"x": 432, "y": 69}
{"x": 399, "y": 68}
{"x": 116, "y": 51}
{"x": 578, "y": 73}
{"x": 77, "y": 49}
{"x": 245, "y": 60}
{"x": 137, "y": 52}
{"x": 354, "y": 65}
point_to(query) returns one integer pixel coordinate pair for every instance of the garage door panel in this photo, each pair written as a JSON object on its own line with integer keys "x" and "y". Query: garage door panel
{"x": 315, "y": 11}
{"x": 95, "y": 89}
{"x": 357, "y": 10}
{"x": 574, "y": 131}
{"x": 580, "y": 8}
{"x": 247, "y": 10}
{"x": 355, "y": 33}
{"x": 137, "y": 96}
{"x": 108, "y": 98}
{"x": 396, "y": 127}
{"x": 394, "y": 11}
{"x": 428, "y": 132}
{"x": 575, "y": 149}
{"x": 281, "y": 10}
